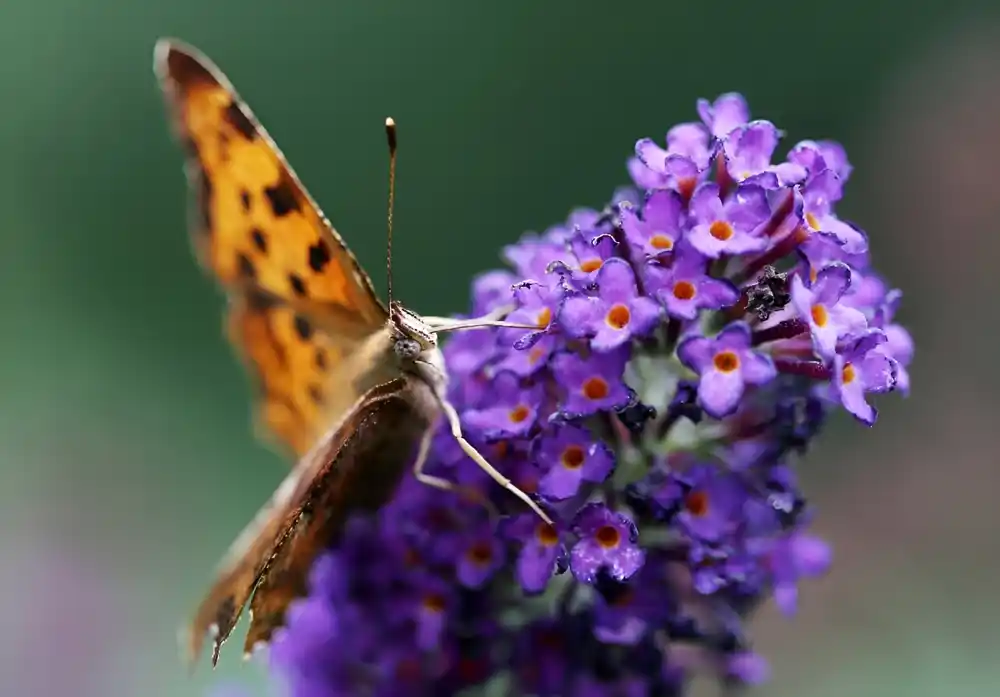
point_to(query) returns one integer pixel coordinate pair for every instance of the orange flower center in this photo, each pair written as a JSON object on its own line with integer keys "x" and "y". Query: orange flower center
{"x": 721, "y": 230}
{"x": 535, "y": 355}
{"x": 408, "y": 670}
{"x": 812, "y": 221}
{"x": 618, "y": 316}
{"x": 573, "y": 457}
{"x": 528, "y": 483}
{"x": 546, "y": 535}
{"x": 591, "y": 265}
{"x": 608, "y": 536}
{"x": 661, "y": 240}
{"x": 471, "y": 670}
{"x": 412, "y": 558}
{"x": 684, "y": 290}
{"x": 696, "y": 503}
{"x": 434, "y": 602}
{"x": 726, "y": 361}
{"x": 625, "y": 598}
{"x": 686, "y": 186}
{"x": 519, "y": 414}
{"x": 820, "y": 315}
{"x": 595, "y": 388}
{"x": 480, "y": 553}
{"x": 544, "y": 318}
{"x": 848, "y": 374}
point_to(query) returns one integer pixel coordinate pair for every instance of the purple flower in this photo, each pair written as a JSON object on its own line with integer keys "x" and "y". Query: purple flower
{"x": 532, "y": 256}
{"x": 469, "y": 352}
{"x": 748, "y": 153}
{"x": 428, "y": 608}
{"x": 591, "y": 251}
{"x": 899, "y": 344}
{"x": 624, "y": 612}
{"x": 592, "y": 384}
{"x": 819, "y": 305}
{"x": 512, "y": 412}
{"x": 709, "y": 502}
{"x": 685, "y": 288}
{"x": 541, "y": 657}
{"x": 725, "y": 364}
{"x": 539, "y": 305}
{"x": 536, "y": 304}
{"x": 482, "y": 556}
{"x": 643, "y": 177}
{"x": 593, "y": 409}
{"x": 680, "y": 166}
{"x": 728, "y": 227}
{"x": 817, "y": 156}
{"x": 818, "y": 197}
{"x": 542, "y": 552}
{"x": 571, "y": 456}
{"x": 608, "y": 541}
{"x": 727, "y": 113}
{"x": 659, "y": 230}
{"x": 616, "y": 314}
{"x": 748, "y": 667}
{"x": 492, "y": 290}
{"x": 859, "y": 368}
{"x": 792, "y": 557}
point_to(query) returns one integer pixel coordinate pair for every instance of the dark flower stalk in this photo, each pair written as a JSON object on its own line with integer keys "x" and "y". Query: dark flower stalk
{"x": 691, "y": 340}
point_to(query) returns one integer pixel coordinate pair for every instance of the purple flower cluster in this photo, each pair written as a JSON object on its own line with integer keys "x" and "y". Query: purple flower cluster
{"x": 690, "y": 340}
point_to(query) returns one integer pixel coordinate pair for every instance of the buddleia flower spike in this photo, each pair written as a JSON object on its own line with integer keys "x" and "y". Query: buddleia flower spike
{"x": 684, "y": 346}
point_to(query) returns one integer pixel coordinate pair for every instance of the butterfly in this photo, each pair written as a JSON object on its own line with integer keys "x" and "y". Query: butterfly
{"x": 352, "y": 387}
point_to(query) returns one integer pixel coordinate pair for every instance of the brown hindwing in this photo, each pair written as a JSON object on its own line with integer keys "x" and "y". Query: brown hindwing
{"x": 355, "y": 468}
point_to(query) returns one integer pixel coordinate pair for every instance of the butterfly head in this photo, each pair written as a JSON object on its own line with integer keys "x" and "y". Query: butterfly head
{"x": 412, "y": 336}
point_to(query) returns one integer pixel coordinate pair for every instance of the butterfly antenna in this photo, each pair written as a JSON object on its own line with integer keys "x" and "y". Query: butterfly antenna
{"x": 390, "y": 134}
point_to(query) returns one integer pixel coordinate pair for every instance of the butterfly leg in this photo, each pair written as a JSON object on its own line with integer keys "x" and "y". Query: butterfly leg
{"x": 470, "y": 450}
{"x": 444, "y": 484}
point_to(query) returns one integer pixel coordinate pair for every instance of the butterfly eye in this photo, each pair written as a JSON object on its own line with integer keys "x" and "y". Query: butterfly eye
{"x": 406, "y": 348}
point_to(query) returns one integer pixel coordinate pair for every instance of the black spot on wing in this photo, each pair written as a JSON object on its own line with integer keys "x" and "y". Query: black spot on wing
{"x": 303, "y": 328}
{"x": 224, "y": 146}
{"x": 321, "y": 361}
{"x": 186, "y": 72}
{"x": 315, "y": 395}
{"x": 282, "y": 198}
{"x": 245, "y": 267}
{"x": 319, "y": 256}
{"x": 245, "y": 200}
{"x": 297, "y": 284}
{"x": 259, "y": 241}
{"x": 203, "y": 199}
{"x": 235, "y": 117}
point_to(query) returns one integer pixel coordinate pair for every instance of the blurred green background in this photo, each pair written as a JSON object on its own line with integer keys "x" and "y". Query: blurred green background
{"x": 126, "y": 459}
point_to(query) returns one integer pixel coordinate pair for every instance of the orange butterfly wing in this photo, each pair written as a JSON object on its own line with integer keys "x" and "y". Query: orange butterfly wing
{"x": 258, "y": 230}
{"x": 296, "y": 366}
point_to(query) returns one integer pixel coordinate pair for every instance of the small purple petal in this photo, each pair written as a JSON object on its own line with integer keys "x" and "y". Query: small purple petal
{"x": 719, "y": 393}
{"x": 728, "y": 112}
